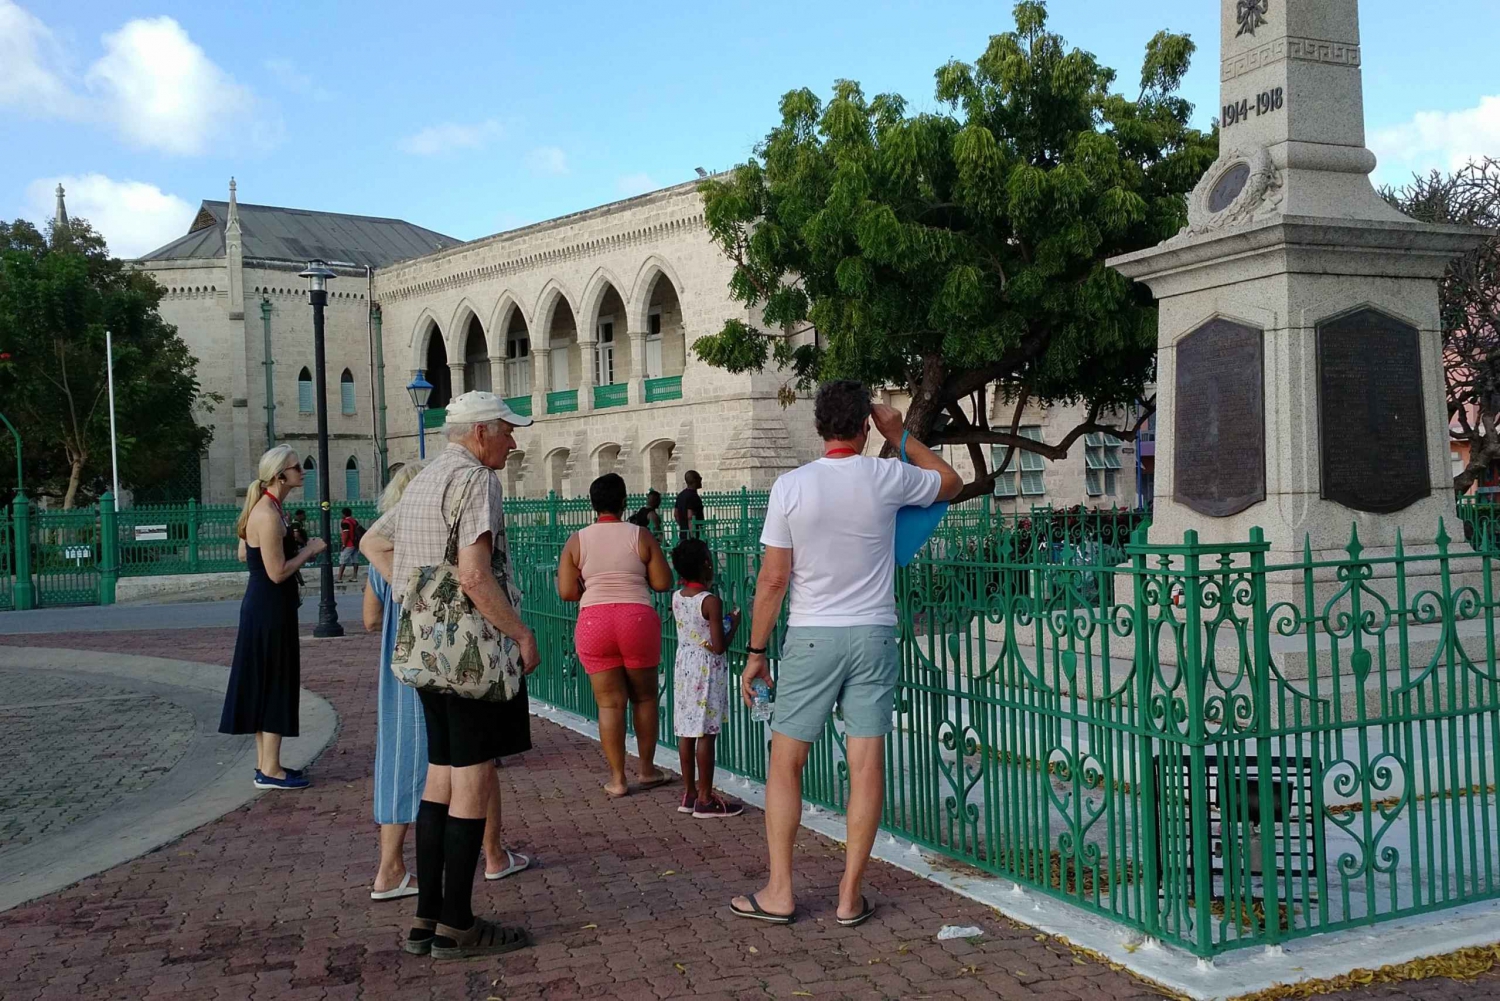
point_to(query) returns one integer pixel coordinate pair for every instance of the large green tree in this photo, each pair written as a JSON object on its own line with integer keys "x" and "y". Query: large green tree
{"x": 59, "y": 293}
{"x": 960, "y": 253}
{"x": 1470, "y": 304}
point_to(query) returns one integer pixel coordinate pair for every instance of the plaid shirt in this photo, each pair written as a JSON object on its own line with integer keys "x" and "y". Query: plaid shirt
{"x": 418, "y": 526}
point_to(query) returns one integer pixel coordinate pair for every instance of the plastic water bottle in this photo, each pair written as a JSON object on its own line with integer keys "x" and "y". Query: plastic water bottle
{"x": 728, "y": 624}
{"x": 760, "y": 701}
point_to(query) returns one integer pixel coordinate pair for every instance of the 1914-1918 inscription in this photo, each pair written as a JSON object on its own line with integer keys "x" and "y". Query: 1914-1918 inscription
{"x": 1374, "y": 443}
{"x": 1219, "y": 462}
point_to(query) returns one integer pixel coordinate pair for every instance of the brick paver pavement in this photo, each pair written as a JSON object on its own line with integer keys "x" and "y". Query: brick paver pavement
{"x": 77, "y": 746}
{"x": 627, "y": 900}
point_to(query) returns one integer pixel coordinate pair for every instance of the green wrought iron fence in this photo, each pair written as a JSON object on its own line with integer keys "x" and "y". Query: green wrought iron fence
{"x": 66, "y": 556}
{"x": 7, "y": 561}
{"x": 1216, "y": 751}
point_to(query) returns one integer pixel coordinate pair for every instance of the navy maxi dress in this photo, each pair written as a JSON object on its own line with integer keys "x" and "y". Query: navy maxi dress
{"x": 267, "y": 673}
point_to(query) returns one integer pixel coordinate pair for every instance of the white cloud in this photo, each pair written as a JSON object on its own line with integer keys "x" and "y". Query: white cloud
{"x": 32, "y": 67}
{"x": 636, "y": 184}
{"x": 449, "y": 137}
{"x": 547, "y": 160}
{"x": 160, "y": 89}
{"x": 153, "y": 85}
{"x": 289, "y": 77}
{"x": 132, "y": 216}
{"x": 1441, "y": 140}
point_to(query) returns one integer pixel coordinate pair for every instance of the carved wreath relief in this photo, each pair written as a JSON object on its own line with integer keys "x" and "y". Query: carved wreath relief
{"x": 1251, "y": 14}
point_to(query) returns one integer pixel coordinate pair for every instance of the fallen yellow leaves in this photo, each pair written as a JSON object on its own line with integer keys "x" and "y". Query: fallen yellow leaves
{"x": 1465, "y": 964}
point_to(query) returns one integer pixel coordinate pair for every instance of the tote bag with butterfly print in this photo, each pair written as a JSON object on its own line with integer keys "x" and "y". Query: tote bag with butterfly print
{"x": 442, "y": 643}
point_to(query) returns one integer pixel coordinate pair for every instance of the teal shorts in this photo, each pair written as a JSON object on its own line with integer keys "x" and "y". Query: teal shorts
{"x": 854, "y": 666}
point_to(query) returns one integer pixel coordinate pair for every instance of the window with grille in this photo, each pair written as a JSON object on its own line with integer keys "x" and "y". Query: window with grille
{"x": 346, "y": 391}
{"x": 304, "y": 393}
{"x": 1027, "y": 467}
{"x": 1101, "y": 460}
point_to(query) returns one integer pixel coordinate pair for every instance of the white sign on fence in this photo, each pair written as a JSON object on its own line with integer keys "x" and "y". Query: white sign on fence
{"x": 78, "y": 552}
{"x": 150, "y": 533}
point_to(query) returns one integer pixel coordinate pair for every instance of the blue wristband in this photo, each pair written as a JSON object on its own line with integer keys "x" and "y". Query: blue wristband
{"x": 904, "y": 435}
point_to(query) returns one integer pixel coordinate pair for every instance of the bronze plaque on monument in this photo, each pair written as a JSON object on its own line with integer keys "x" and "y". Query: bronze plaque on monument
{"x": 1219, "y": 434}
{"x": 1374, "y": 443}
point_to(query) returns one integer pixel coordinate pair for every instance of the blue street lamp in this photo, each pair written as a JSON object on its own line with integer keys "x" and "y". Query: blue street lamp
{"x": 420, "y": 390}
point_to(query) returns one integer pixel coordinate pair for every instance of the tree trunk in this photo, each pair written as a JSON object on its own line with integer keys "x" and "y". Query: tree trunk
{"x": 75, "y": 474}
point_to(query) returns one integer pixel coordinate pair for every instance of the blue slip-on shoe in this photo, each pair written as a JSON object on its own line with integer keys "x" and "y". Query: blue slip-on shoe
{"x": 264, "y": 781}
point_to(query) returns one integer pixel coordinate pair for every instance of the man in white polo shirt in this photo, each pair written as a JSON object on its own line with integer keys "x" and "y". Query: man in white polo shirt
{"x": 830, "y": 538}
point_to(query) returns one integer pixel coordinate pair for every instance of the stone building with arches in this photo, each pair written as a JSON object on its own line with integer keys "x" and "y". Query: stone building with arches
{"x": 585, "y": 321}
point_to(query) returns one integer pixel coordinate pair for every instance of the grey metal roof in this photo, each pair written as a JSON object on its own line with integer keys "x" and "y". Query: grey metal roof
{"x": 270, "y": 233}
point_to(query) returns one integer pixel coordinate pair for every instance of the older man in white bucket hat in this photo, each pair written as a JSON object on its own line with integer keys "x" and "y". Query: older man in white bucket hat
{"x": 464, "y": 735}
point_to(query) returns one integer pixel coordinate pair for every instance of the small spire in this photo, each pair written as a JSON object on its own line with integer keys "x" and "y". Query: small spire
{"x": 60, "y": 216}
{"x": 233, "y": 222}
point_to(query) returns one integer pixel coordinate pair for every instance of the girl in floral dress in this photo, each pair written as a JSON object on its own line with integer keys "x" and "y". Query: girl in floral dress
{"x": 701, "y": 678}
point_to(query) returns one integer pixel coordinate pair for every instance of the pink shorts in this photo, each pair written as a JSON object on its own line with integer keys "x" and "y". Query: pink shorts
{"x": 610, "y": 636}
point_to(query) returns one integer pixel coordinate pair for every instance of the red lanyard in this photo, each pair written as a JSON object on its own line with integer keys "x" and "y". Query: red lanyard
{"x": 838, "y": 453}
{"x": 606, "y": 518}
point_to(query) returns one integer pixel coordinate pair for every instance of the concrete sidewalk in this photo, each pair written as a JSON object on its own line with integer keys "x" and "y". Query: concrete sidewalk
{"x": 627, "y": 900}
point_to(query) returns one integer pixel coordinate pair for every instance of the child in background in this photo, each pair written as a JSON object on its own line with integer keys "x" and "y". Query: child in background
{"x": 701, "y": 678}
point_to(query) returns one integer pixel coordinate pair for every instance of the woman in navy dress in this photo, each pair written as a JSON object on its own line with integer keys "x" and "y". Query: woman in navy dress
{"x": 266, "y": 679}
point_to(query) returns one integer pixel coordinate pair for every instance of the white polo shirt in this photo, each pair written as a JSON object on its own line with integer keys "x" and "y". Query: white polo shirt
{"x": 838, "y": 517}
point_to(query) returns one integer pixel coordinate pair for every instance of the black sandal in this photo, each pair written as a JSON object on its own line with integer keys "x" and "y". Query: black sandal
{"x": 418, "y": 941}
{"x": 866, "y": 912}
{"x": 759, "y": 913}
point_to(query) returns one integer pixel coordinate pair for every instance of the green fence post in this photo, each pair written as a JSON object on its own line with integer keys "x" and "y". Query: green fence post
{"x": 25, "y": 593}
{"x": 744, "y": 512}
{"x": 192, "y": 535}
{"x": 551, "y": 515}
{"x": 109, "y": 549}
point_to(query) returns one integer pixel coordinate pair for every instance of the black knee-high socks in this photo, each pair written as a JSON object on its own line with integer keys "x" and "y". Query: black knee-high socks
{"x": 462, "y": 839}
{"x": 432, "y": 823}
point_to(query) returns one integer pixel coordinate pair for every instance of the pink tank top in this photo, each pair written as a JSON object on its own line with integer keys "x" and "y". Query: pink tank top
{"x": 609, "y": 559}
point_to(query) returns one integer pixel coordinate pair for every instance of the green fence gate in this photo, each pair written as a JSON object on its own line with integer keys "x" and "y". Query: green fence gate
{"x": 65, "y": 556}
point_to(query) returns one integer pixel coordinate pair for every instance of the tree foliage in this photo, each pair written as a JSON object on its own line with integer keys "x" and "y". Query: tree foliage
{"x": 962, "y": 252}
{"x": 58, "y": 296}
{"x": 1470, "y": 305}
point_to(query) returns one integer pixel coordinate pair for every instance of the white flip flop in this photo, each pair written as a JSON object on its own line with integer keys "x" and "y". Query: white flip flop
{"x": 514, "y": 862}
{"x": 403, "y": 889}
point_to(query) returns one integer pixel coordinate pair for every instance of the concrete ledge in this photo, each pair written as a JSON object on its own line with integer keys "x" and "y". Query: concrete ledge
{"x": 1227, "y": 976}
{"x": 211, "y": 779}
{"x": 201, "y": 586}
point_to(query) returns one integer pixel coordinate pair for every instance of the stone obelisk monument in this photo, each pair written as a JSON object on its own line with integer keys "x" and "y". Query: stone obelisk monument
{"x": 1300, "y": 383}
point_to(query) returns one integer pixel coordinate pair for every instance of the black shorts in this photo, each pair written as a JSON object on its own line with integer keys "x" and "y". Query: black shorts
{"x": 463, "y": 732}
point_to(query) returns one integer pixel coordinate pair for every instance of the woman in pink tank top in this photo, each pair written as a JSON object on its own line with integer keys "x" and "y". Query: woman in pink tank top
{"x": 610, "y": 569}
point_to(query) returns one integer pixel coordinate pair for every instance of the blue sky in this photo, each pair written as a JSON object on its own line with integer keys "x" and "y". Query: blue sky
{"x": 471, "y": 117}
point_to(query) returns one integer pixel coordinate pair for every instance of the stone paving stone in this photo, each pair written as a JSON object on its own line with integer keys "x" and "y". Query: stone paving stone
{"x": 271, "y": 901}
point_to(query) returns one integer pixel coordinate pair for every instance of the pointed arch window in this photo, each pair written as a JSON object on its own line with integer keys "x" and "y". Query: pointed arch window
{"x": 346, "y": 391}
{"x": 309, "y": 481}
{"x": 351, "y": 479}
{"x": 304, "y": 392}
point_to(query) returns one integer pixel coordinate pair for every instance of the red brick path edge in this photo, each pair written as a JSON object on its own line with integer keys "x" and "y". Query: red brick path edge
{"x": 627, "y": 899}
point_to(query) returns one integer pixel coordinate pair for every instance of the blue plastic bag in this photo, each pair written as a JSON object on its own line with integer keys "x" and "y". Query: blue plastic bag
{"x": 915, "y": 525}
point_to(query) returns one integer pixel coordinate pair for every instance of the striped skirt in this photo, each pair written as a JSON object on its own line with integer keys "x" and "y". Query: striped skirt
{"x": 400, "y": 732}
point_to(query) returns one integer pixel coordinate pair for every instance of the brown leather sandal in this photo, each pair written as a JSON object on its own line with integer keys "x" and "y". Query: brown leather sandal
{"x": 485, "y": 938}
{"x": 418, "y": 941}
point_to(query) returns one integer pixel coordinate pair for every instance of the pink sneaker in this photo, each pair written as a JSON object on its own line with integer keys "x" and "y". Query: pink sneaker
{"x": 716, "y": 807}
{"x": 688, "y": 800}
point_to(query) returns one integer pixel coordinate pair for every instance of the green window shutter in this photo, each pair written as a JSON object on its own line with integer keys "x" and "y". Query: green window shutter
{"x": 346, "y": 393}
{"x": 351, "y": 483}
{"x": 304, "y": 396}
{"x": 310, "y": 486}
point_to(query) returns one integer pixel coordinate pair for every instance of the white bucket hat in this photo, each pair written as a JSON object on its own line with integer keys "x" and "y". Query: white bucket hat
{"x": 478, "y": 407}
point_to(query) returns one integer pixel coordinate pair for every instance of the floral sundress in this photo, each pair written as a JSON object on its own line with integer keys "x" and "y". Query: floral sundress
{"x": 701, "y": 677}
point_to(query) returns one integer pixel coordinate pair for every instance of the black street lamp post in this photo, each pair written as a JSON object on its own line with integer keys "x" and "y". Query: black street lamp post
{"x": 317, "y": 275}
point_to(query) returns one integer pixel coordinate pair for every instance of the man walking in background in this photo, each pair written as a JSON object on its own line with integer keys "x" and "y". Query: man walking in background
{"x": 350, "y": 532}
{"x": 689, "y": 505}
{"x": 830, "y": 538}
